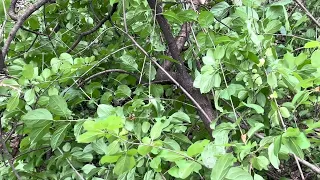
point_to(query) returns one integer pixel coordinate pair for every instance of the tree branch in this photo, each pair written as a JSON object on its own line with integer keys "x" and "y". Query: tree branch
{"x": 307, "y": 12}
{"x": 94, "y": 29}
{"x": 101, "y": 73}
{"x": 20, "y": 20}
{"x": 184, "y": 80}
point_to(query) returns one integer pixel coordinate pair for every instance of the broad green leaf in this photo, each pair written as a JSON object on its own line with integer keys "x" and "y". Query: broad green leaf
{"x": 173, "y": 17}
{"x": 187, "y": 167}
{"x": 109, "y": 159}
{"x": 89, "y": 136}
{"x": 187, "y": 15}
{"x": 219, "y": 52}
{"x": 144, "y": 149}
{"x": 171, "y": 144}
{"x": 260, "y": 162}
{"x": 205, "y": 19}
{"x": 66, "y": 57}
{"x": 220, "y": 8}
{"x": 124, "y": 164}
{"x": 58, "y": 136}
{"x": 302, "y": 141}
{"x": 172, "y": 156}
{"x": 315, "y": 59}
{"x": 208, "y": 155}
{"x": 273, "y": 26}
{"x": 30, "y": 96}
{"x": 272, "y": 80}
{"x": 179, "y": 117}
{"x": 129, "y": 62}
{"x": 156, "y": 130}
{"x": 293, "y": 147}
{"x": 256, "y": 107}
{"x": 312, "y": 44}
{"x": 273, "y": 157}
{"x": 197, "y": 147}
{"x": 222, "y": 166}
{"x": 237, "y": 173}
{"x": 209, "y": 59}
{"x": 277, "y": 144}
{"x": 123, "y": 91}
{"x": 284, "y": 112}
{"x": 257, "y": 177}
{"x": 291, "y": 132}
{"x": 34, "y": 116}
{"x": 99, "y": 146}
{"x": 28, "y": 71}
{"x": 58, "y": 106}
{"x": 110, "y": 123}
{"x": 105, "y": 110}
{"x": 155, "y": 163}
{"x": 181, "y": 137}
{"x": 13, "y": 102}
{"x": 38, "y": 133}
{"x": 254, "y": 129}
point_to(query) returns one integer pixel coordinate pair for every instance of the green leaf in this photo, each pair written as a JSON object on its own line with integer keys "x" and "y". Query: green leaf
{"x": 109, "y": 159}
{"x": 13, "y": 102}
{"x": 315, "y": 59}
{"x": 221, "y": 168}
{"x": 186, "y": 168}
{"x": 219, "y": 52}
{"x": 105, "y": 110}
{"x": 273, "y": 157}
{"x": 277, "y": 145}
{"x": 144, "y": 150}
{"x": 302, "y": 141}
{"x": 179, "y": 117}
{"x": 171, "y": 144}
{"x": 28, "y": 71}
{"x": 123, "y": 91}
{"x": 254, "y": 129}
{"x": 260, "y": 162}
{"x": 38, "y": 133}
{"x": 129, "y": 62}
{"x": 90, "y": 136}
{"x": 187, "y": 15}
{"x": 58, "y": 136}
{"x": 284, "y": 112}
{"x": 33, "y": 117}
{"x": 237, "y": 173}
{"x": 58, "y": 106}
{"x": 220, "y": 8}
{"x": 272, "y": 80}
{"x": 257, "y": 177}
{"x": 312, "y": 44}
{"x": 205, "y": 19}
{"x": 110, "y": 123}
{"x": 66, "y": 57}
{"x": 99, "y": 146}
{"x": 30, "y": 96}
{"x": 172, "y": 156}
{"x": 209, "y": 59}
{"x": 293, "y": 147}
{"x": 173, "y": 17}
{"x": 197, "y": 147}
{"x": 256, "y": 107}
{"x": 273, "y": 26}
{"x": 124, "y": 164}
{"x": 156, "y": 130}
{"x": 208, "y": 155}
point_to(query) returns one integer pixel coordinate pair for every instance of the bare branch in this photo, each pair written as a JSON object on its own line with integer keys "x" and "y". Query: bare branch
{"x": 94, "y": 29}
{"x": 307, "y": 12}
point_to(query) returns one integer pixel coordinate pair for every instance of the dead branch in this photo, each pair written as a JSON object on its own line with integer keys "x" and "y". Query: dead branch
{"x": 95, "y": 28}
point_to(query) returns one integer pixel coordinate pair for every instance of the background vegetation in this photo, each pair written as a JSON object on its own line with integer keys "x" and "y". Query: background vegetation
{"x": 146, "y": 89}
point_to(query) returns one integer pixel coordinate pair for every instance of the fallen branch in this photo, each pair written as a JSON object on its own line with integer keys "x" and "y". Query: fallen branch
{"x": 94, "y": 29}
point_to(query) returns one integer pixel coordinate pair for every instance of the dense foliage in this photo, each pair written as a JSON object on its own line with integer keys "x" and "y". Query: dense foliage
{"x": 83, "y": 97}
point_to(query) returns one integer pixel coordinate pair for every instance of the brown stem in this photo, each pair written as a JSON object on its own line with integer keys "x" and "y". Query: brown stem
{"x": 307, "y": 12}
{"x": 207, "y": 113}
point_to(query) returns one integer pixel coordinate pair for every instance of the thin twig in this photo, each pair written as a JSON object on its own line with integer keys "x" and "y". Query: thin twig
{"x": 74, "y": 169}
{"x": 94, "y": 29}
{"x": 101, "y": 73}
